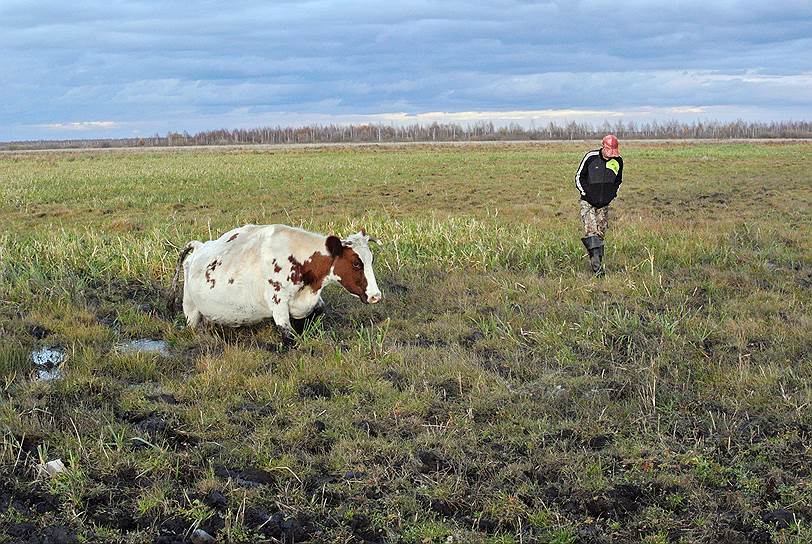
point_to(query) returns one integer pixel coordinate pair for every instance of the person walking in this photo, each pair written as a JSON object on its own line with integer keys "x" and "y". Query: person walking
{"x": 598, "y": 178}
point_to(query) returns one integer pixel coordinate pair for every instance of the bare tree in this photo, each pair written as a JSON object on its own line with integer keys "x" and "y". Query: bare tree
{"x": 441, "y": 132}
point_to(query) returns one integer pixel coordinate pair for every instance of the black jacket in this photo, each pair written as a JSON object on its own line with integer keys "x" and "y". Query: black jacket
{"x": 598, "y": 179}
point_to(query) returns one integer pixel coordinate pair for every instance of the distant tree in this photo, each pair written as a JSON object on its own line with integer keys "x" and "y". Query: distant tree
{"x": 441, "y": 132}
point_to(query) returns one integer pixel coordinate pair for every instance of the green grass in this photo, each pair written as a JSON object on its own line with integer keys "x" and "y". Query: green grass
{"x": 498, "y": 394}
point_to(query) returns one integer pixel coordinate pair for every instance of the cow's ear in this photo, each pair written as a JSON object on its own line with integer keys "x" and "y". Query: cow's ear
{"x": 334, "y": 246}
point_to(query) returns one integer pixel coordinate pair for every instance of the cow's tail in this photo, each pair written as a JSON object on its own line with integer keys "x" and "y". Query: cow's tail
{"x": 172, "y": 304}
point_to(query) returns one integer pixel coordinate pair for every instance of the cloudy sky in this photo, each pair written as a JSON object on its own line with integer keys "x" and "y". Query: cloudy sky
{"x": 115, "y": 68}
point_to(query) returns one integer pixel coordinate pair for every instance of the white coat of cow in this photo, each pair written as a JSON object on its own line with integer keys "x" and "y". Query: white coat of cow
{"x": 256, "y": 272}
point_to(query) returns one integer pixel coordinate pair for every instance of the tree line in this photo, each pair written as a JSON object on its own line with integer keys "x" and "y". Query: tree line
{"x": 441, "y": 132}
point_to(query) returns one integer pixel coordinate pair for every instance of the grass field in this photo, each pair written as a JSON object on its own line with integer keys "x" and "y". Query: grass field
{"x": 498, "y": 394}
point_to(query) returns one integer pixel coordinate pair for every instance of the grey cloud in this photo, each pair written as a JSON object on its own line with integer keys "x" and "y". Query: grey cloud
{"x": 139, "y": 60}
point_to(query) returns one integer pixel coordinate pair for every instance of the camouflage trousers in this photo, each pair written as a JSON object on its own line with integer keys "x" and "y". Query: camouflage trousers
{"x": 595, "y": 219}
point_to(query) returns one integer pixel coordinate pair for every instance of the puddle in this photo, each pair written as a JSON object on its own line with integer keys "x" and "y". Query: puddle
{"x": 49, "y": 374}
{"x": 144, "y": 345}
{"x": 47, "y": 357}
{"x": 47, "y": 361}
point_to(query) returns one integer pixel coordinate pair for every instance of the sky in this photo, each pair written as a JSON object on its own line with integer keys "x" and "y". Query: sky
{"x": 111, "y": 68}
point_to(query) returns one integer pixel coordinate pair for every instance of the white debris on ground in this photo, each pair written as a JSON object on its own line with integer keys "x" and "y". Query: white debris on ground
{"x": 52, "y": 468}
{"x": 201, "y": 537}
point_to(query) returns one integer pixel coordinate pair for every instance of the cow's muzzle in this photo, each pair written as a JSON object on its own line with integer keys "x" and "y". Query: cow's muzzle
{"x": 375, "y": 299}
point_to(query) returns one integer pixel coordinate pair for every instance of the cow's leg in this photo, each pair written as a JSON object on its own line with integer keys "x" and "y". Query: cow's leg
{"x": 299, "y": 324}
{"x": 281, "y": 315}
{"x": 194, "y": 319}
{"x": 319, "y": 308}
{"x": 193, "y": 316}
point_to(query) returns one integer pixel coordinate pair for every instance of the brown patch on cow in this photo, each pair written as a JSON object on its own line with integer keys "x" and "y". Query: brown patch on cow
{"x": 211, "y": 268}
{"x": 277, "y": 285}
{"x": 315, "y": 269}
{"x": 312, "y": 272}
{"x": 276, "y": 299}
{"x": 233, "y": 236}
{"x": 295, "y": 275}
{"x": 277, "y": 268}
{"x": 230, "y": 281}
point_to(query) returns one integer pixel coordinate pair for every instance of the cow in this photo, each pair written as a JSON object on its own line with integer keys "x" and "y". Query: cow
{"x": 256, "y": 272}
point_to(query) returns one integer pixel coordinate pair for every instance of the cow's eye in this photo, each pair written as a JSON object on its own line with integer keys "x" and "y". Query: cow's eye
{"x": 357, "y": 264}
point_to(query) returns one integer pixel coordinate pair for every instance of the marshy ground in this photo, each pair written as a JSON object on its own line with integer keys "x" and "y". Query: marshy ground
{"x": 499, "y": 393}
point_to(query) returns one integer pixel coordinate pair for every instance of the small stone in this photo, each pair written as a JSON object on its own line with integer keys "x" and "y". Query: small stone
{"x": 201, "y": 537}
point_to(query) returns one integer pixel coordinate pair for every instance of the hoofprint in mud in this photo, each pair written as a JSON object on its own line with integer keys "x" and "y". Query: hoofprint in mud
{"x": 256, "y": 272}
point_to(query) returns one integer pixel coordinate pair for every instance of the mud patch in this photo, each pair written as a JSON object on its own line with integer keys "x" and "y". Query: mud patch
{"x": 471, "y": 339}
{"x": 780, "y": 518}
{"x": 59, "y": 534}
{"x": 618, "y": 503}
{"x": 395, "y": 288}
{"x": 280, "y": 527}
{"x": 449, "y": 389}
{"x": 805, "y": 280}
{"x": 598, "y": 442}
{"x": 421, "y": 341}
{"x": 39, "y": 332}
{"x": 247, "y": 477}
{"x": 397, "y": 379}
{"x": 314, "y": 390}
{"x": 372, "y": 429}
{"x": 216, "y": 500}
{"x": 157, "y": 427}
{"x": 431, "y": 462}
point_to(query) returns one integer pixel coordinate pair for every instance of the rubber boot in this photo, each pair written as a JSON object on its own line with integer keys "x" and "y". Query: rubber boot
{"x": 594, "y": 245}
{"x": 598, "y": 258}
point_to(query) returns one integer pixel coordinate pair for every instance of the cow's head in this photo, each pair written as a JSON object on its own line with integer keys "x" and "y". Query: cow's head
{"x": 352, "y": 265}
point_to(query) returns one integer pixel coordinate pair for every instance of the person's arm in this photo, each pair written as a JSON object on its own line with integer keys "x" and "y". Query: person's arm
{"x": 619, "y": 176}
{"x": 580, "y": 175}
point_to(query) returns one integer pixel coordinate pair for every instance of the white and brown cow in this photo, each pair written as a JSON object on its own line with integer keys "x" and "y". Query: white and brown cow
{"x": 255, "y": 272}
